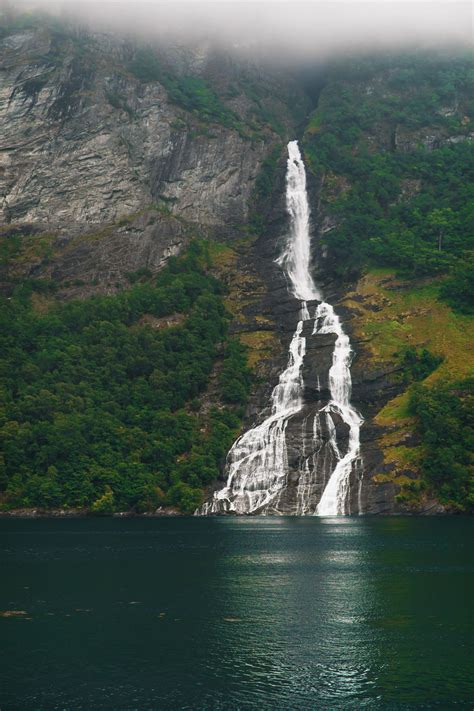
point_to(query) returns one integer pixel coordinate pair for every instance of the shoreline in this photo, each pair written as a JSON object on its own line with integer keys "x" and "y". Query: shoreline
{"x": 168, "y": 512}
{"x": 85, "y": 513}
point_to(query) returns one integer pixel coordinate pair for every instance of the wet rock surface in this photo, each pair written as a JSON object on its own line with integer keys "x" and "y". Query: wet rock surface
{"x": 112, "y": 177}
{"x": 311, "y": 460}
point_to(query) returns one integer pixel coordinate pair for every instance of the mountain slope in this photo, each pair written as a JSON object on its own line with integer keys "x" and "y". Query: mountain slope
{"x": 115, "y": 155}
{"x": 391, "y": 147}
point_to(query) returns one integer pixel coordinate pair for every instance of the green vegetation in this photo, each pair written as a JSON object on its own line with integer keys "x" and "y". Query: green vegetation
{"x": 191, "y": 93}
{"x": 394, "y": 314}
{"x": 390, "y": 143}
{"x": 403, "y": 319}
{"x": 196, "y": 95}
{"x": 264, "y": 187}
{"x": 118, "y": 102}
{"x": 417, "y": 364}
{"x": 235, "y": 377}
{"x": 400, "y": 190}
{"x": 97, "y": 401}
{"x": 261, "y": 97}
{"x": 458, "y": 289}
{"x": 140, "y": 274}
{"x": 445, "y": 416}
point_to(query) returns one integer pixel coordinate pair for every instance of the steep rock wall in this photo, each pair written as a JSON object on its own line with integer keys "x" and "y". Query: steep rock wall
{"x": 113, "y": 168}
{"x": 265, "y": 317}
{"x": 102, "y": 175}
{"x": 84, "y": 141}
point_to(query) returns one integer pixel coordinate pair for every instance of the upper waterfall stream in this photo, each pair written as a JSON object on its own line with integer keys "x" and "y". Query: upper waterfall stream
{"x": 257, "y": 464}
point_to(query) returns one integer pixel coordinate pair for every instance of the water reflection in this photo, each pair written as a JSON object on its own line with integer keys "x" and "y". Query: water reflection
{"x": 237, "y": 613}
{"x": 304, "y": 603}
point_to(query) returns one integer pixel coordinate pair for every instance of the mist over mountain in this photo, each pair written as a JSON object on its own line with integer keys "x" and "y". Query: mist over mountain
{"x": 279, "y": 30}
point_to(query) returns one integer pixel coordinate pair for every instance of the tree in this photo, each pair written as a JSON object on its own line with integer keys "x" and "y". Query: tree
{"x": 105, "y": 504}
{"x": 96, "y": 403}
{"x": 441, "y": 219}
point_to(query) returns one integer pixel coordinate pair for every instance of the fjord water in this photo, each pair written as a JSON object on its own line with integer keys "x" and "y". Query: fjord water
{"x": 237, "y": 613}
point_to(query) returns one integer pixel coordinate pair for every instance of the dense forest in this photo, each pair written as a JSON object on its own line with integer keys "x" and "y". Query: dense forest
{"x": 445, "y": 416}
{"x": 391, "y": 144}
{"x": 391, "y": 141}
{"x": 102, "y": 397}
{"x": 131, "y": 401}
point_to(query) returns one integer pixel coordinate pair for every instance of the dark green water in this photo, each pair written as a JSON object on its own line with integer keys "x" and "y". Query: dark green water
{"x": 226, "y": 613}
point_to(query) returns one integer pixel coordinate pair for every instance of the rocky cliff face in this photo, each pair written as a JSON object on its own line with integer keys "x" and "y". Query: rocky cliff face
{"x": 103, "y": 173}
{"x": 267, "y": 317}
{"x": 108, "y": 166}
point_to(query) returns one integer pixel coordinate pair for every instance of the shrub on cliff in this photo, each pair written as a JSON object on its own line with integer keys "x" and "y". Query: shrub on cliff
{"x": 105, "y": 504}
{"x": 458, "y": 289}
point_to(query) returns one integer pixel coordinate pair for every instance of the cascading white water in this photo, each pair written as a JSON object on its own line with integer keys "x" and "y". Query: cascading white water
{"x": 296, "y": 257}
{"x": 334, "y": 498}
{"x": 257, "y": 464}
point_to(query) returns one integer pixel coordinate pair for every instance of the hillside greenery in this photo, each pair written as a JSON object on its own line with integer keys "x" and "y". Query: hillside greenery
{"x": 190, "y": 92}
{"x": 390, "y": 142}
{"x": 390, "y": 138}
{"x": 445, "y": 417}
{"x": 417, "y": 363}
{"x": 101, "y": 399}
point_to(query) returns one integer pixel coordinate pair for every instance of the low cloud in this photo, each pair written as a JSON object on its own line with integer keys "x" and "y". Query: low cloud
{"x": 280, "y": 29}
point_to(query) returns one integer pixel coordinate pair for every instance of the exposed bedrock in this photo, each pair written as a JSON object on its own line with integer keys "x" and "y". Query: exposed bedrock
{"x": 84, "y": 142}
{"x": 112, "y": 173}
{"x": 109, "y": 176}
{"x": 311, "y": 460}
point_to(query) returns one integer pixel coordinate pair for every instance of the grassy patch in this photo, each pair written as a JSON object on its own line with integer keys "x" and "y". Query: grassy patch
{"x": 394, "y": 411}
{"x": 222, "y": 256}
{"x": 244, "y": 289}
{"x": 261, "y": 345}
{"x": 41, "y": 303}
{"x": 394, "y": 314}
{"x": 18, "y": 250}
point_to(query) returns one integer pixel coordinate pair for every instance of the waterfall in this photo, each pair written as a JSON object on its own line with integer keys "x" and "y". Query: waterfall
{"x": 296, "y": 257}
{"x": 257, "y": 465}
{"x": 334, "y": 499}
